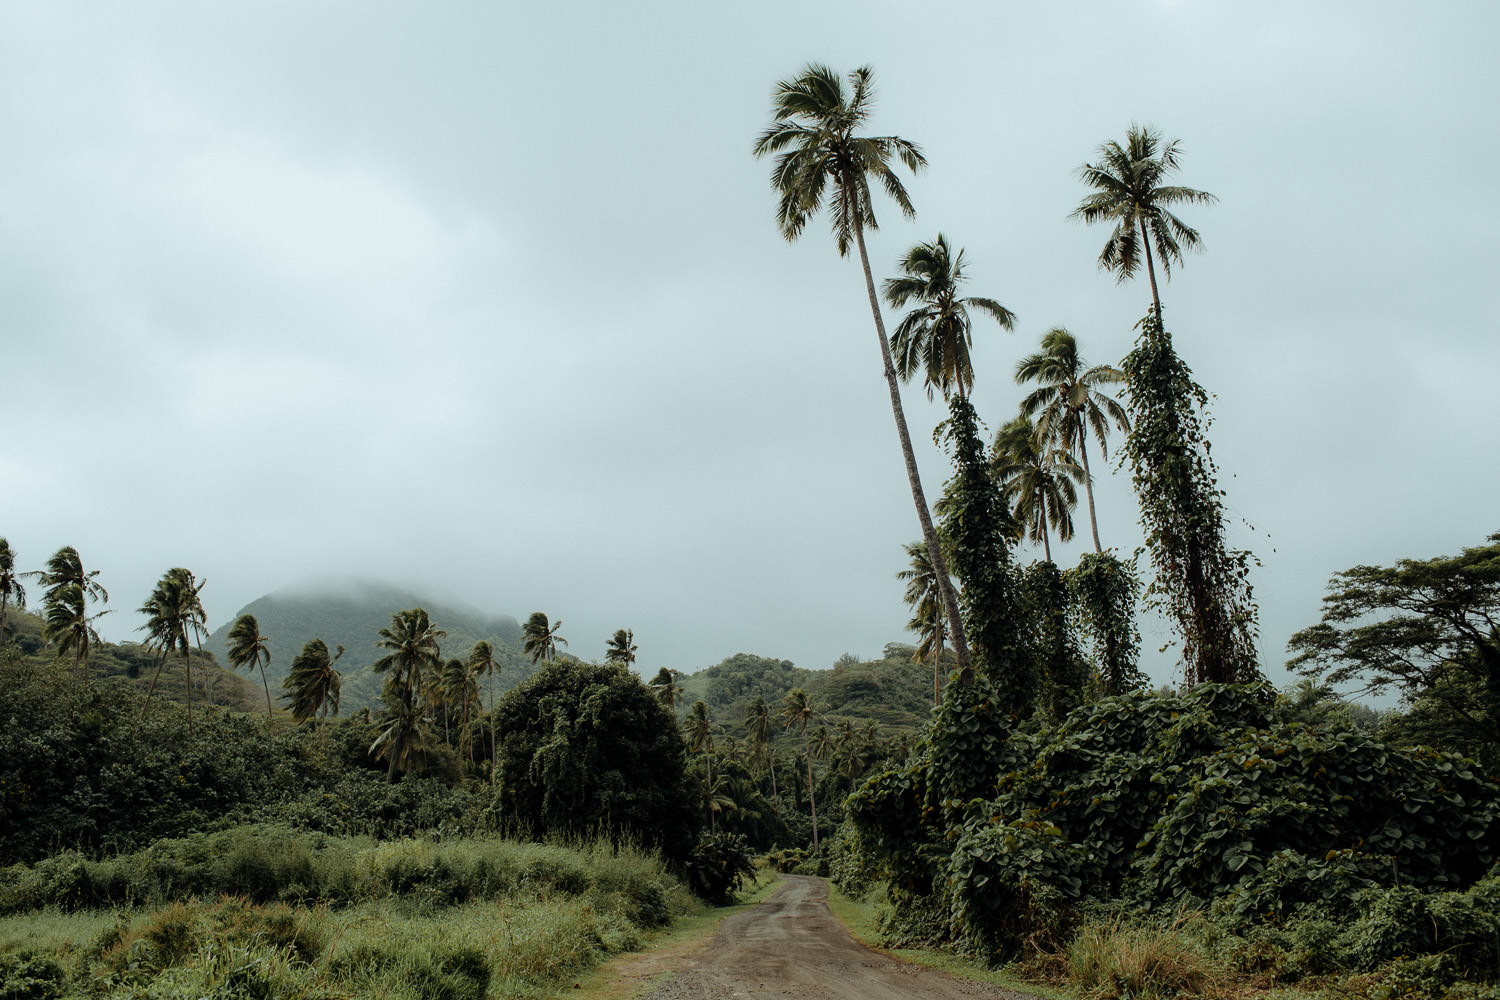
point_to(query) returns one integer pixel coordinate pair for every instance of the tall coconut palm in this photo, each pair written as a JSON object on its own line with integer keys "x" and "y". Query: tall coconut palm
{"x": 797, "y": 713}
{"x": 312, "y": 685}
{"x": 1037, "y": 478}
{"x": 461, "y": 697}
{"x": 621, "y": 648}
{"x": 174, "y": 620}
{"x": 412, "y": 655}
{"x": 699, "y": 730}
{"x": 482, "y": 661}
{"x": 927, "y": 619}
{"x": 819, "y": 156}
{"x": 541, "y": 637}
{"x": 1128, "y": 191}
{"x": 247, "y": 650}
{"x": 1067, "y": 403}
{"x": 935, "y": 337}
{"x": 759, "y": 724}
{"x": 11, "y": 588}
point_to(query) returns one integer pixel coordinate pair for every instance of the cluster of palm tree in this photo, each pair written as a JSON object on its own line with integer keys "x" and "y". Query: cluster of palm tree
{"x": 821, "y": 160}
{"x": 67, "y": 620}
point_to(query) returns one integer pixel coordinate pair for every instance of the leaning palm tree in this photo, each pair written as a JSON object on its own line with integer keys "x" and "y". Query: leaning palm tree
{"x": 11, "y": 588}
{"x": 312, "y": 686}
{"x": 482, "y": 661}
{"x": 1037, "y": 479}
{"x": 1128, "y": 191}
{"x": 412, "y": 656}
{"x": 935, "y": 337}
{"x": 819, "y": 156}
{"x": 67, "y": 625}
{"x": 796, "y": 713}
{"x": 66, "y": 622}
{"x": 621, "y": 648}
{"x": 174, "y": 619}
{"x": 247, "y": 649}
{"x": 1070, "y": 403}
{"x": 541, "y": 637}
{"x": 927, "y": 613}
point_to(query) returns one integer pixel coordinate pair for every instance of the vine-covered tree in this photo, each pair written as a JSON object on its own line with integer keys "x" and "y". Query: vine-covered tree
{"x": 1428, "y": 629}
{"x": 1128, "y": 191}
{"x": 586, "y": 748}
{"x": 1201, "y": 582}
{"x": 819, "y": 155}
{"x": 247, "y": 650}
{"x": 927, "y": 621}
{"x": 1068, "y": 403}
{"x": 1103, "y": 589}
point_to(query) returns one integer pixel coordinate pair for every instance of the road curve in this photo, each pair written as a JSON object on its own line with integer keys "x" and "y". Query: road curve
{"x": 792, "y": 945}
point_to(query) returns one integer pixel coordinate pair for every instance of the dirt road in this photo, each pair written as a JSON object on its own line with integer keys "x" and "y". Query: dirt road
{"x": 793, "y": 946}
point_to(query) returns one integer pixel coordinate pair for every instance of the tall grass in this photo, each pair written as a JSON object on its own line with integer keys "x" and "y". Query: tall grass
{"x": 264, "y": 913}
{"x": 1120, "y": 961}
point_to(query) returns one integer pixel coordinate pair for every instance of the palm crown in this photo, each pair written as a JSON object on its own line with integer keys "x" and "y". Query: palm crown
{"x": 1128, "y": 191}
{"x": 813, "y": 138}
{"x": 935, "y": 337}
{"x": 1067, "y": 402}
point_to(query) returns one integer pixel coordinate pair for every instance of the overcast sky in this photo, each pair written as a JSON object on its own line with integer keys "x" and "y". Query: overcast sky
{"x": 487, "y": 299}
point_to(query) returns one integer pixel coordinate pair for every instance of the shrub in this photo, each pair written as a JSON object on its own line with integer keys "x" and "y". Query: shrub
{"x": 718, "y": 865}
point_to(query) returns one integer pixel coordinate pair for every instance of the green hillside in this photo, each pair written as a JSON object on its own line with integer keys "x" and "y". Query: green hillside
{"x": 353, "y": 618}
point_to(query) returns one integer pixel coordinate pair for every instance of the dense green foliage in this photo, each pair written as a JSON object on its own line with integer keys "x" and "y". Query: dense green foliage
{"x": 589, "y": 749}
{"x": 1429, "y": 629}
{"x": 1103, "y": 589}
{"x": 1209, "y": 800}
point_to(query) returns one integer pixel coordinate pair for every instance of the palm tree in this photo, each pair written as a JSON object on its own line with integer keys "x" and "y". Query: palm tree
{"x": 11, "y": 588}
{"x": 542, "y": 639}
{"x": 461, "y": 692}
{"x": 935, "y": 337}
{"x": 1070, "y": 403}
{"x": 482, "y": 661}
{"x": 668, "y": 689}
{"x": 700, "y": 737}
{"x": 796, "y": 712}
{"x": 1038, "y": 479}
{"x": 759, "y": 723}
{"x": 621, "y": 648}
{"x": 65, "y": 618}
{"x": 174, "y": 616}
{"x": 67, "y": 624}
{"x": 1128, "y": 191}
{"x": 412, "y": 655}
{"x": 312, "y": 686}
{"x": 927, "y": 613}
{"x": 247, "y": 648}
{"x": 818, "y": 154}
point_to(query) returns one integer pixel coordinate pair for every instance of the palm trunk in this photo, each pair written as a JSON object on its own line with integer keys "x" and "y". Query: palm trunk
{"x": 1041, "y": 509}
{"x": 811, "y": 799}
{"x": 1088, "y": 482}
{"x": 1151, "y": 271}
{"x": 267, "y": 685}
{"x": 929, "y": 533}
{"x": 493, "y": 758}
{"x": 187, "y": 666}
{"x": 775, "y": 793}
